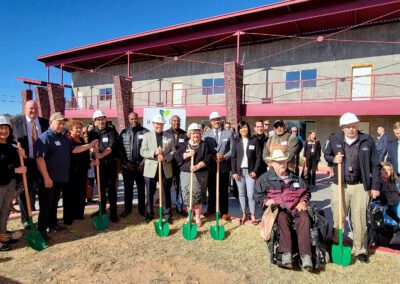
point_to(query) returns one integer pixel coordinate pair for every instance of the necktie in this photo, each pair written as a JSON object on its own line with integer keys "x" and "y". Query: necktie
{"x": 34, "y": 137}
{"x": 216, "y": 137}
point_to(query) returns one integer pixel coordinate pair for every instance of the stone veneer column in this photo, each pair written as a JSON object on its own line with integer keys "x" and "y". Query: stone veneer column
{"x": 42, "y": 99}
{"x": 123, "y": 97}
{"x": 56, "y": 98}
{"x": 26, "y": 95}
{"x": 233, "y": 75}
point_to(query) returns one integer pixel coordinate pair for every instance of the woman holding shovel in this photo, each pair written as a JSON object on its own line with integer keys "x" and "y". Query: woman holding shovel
{"x": 198, "y": 149}
{"x": 9, "y": 161}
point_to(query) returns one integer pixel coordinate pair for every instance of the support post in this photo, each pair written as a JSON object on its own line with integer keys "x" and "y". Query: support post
{"x": 123, "y": 97}
{"x": 233, "y": 75}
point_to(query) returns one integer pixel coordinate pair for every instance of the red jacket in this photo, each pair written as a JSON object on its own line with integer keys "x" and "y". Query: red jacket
{"x": 270, "y": 186}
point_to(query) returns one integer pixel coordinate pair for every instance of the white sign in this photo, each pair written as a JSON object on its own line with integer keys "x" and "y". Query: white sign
{"x": 167, "y": 113}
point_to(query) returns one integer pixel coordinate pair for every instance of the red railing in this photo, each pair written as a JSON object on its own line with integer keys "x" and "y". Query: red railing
{"x": 327, "y": 89}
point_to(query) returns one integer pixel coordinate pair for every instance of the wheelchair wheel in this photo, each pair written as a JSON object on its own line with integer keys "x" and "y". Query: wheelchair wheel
{"x": 271, "y": 247}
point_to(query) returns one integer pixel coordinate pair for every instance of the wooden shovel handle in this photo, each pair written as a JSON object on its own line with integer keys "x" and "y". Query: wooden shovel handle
{"x": 191, "y": 182}
{"x": 217, "y": 188}
{"x": 340, "y": 192}
{"x": 160, "y": 182}
{"x": 98, "y": 178}
{"x": 25, "y": 182}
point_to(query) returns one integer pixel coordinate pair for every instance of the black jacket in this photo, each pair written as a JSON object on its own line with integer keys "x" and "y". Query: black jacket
{"x": 389, "y": 193}
{"x": 131, "y": 137}
{"x": 307, "y": 150}
{"x": 107, "y": 139}
{"x": 392, "y": 155}
{"x": 368, "y": 158}
{"x": 21, "y": 134}
{"x": 253, "y": 153}
{"x": 261, "y": 142}
{"x": 177, "y": 141}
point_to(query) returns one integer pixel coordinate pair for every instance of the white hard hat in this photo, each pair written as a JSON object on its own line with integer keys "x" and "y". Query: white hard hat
{"x": 98, "y": 113}
{"x": 4, "y": 120}
{"x": 348, "y": 118}
{"x": 215, "y": 114}
{"x": 193, "y": 126}
{"x": 158, "y": 119}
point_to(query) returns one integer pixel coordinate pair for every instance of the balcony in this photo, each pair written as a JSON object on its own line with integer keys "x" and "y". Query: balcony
{"x": 305, "y": 97}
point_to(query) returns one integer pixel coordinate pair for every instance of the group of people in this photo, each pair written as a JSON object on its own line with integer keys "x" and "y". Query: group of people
{"x": 264, "y": 165}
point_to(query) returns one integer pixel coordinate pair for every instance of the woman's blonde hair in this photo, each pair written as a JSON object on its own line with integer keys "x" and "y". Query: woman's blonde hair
{"x": 74, "y": 123}
{"x": 309, "y": 135}
{"x": 393, "y": 176}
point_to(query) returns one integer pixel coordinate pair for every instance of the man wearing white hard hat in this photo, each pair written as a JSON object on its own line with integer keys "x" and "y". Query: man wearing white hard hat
{"x": 106, "y": 153}
{"x": 157, "y": 147}
{"x": 356, "y": 152}
{"x": 219, "y": 140}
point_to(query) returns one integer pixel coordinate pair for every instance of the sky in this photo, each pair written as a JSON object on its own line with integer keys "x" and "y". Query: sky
{"x": 30, "y": 28}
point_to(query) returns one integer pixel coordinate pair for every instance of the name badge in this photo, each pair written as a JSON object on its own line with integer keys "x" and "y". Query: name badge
{"x": 251, "y": 147}
{"x": 58, "y": 143}
{"x": 105, "y": 140}
{"x": 181, "y": 140}
{"x": 312, "y": 150}
{"x": 141, "y": 136}
{"x": 296, "y": 184}
{"x": 226, "y": 139}
{"x": 188, "y": 150}
{"x": 284, "y": 143}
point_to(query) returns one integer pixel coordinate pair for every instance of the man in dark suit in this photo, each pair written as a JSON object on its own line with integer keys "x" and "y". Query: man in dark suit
{"x": 394, "y": 149}
{"x": 219, "y": 141}
{"x": 27, "y": 129}
{"x": 382, "y": 143}
{"x": 178, "y": 136}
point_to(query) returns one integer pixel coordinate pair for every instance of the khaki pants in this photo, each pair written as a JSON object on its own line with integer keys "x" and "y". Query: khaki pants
{"x": 356, "y": 199}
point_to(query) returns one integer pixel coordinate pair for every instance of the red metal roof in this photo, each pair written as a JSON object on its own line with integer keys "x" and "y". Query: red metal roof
{"x": 296, "y": 17}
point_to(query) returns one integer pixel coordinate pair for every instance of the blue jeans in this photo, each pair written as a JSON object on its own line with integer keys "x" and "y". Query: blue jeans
{"x": 389, "y": 220}
{"x": 246, "y": 185}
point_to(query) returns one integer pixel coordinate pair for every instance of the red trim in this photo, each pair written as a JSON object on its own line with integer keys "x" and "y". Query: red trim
{"x": 191, "y": 111}
{"x": 39, "y": 83}
{"x": 384, "y": 107}
{"x": 221, "y": 29}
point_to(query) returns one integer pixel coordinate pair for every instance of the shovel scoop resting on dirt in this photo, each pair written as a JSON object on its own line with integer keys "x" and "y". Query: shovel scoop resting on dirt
{"x": 217, "y": 232}
{"x": 100, "y": 221}
{"x": 161, "y": 226}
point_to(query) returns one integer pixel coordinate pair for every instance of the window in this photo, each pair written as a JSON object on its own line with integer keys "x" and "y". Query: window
{"x": 307, "y": 77}
{"x": 105, "y": 94}
{"x": 214, "y": 86}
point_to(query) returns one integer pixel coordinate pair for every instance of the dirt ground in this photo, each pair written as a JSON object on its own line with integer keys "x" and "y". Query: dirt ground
{"x": 131, "y": 252}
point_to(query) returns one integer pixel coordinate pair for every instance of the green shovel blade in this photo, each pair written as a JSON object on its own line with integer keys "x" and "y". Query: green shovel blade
{"x": 34, "y": 239}
{"x": 100, "y": 221}
{"x": 217, "y": 232}
{"x": 161, "y": 227}
{"x": 341, "y": 254}
{"x": 189, "y": 230}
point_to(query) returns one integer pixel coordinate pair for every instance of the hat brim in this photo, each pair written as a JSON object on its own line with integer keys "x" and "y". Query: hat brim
{"x": 279, "y": 159}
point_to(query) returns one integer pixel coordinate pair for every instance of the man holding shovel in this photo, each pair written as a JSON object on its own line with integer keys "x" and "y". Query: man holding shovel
{"x": 53, "y": 161}
{"x": 357, "y": 155}
{"x": 156, "y": 147}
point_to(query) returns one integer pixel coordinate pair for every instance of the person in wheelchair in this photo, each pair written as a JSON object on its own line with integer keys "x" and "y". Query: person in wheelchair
{"x": 283, "y": 188}
{"x": 390, "y": 196}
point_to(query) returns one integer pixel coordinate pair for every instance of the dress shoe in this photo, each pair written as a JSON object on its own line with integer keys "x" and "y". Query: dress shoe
{"x": 57, "y": 229}
{"x": 169, "y": 219}
{"x": 208, "y": 214}
{"x": 148, "y": 217}
{"x": 4, "y": 247}
{"x": 226, "y": 217}
{"x": 114, "y": 219}
{"x": 363, "y": 257}
{"x": 124, "y": 214}
{"x": 94, "y": 214}
{"x": 26, "y": 225}
{"x": 91, "y": 201}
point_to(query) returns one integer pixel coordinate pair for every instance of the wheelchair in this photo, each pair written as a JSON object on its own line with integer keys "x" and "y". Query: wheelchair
{"x": 319, "y": 228}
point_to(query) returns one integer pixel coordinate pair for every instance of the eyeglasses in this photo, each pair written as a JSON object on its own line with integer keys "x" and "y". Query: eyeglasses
{"x": 266, "y": 124}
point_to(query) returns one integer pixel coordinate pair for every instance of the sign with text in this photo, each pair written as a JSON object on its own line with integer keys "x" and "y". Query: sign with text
{"x": 167, "y": 113}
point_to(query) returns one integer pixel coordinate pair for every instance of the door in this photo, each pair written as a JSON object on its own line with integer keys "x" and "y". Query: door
{"x": 361, "y": 82}
{"x": 177, "y": 93}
